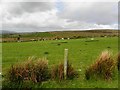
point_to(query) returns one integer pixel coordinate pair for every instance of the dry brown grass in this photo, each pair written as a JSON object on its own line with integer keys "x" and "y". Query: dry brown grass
{"x": 57, "y": 72}
{"x": 34, "y": 70}
{"x": 102, "y": 68}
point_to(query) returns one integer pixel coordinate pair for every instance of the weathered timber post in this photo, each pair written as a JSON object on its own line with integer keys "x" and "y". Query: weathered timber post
{"x": 65, "y": 63}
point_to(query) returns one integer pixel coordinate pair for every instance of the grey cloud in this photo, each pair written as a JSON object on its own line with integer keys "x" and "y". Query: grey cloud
{"x": 37, "y": 6}
{"x": 97, "y": 12}
{"x": 18, "y": 8}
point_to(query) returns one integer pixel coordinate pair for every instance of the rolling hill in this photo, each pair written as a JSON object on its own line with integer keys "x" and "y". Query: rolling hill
{"x": 59, "y": 34}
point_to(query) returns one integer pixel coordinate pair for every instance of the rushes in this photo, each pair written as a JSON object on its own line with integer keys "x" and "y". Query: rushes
{"x": 102, "y": 68}
{"x": 57, "y": 72}
{"x": 40, "y": 71}
{"x": 15, "y": 74}
{"x": 36, "y": 71}
{"x": 71, "y": 73}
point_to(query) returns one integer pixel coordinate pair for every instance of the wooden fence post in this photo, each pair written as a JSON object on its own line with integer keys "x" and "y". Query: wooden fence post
{"x": 65, "y": 63}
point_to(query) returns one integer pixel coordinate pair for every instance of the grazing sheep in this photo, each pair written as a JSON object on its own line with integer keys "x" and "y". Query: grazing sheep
{"x": 92, "y": 38}
{"x": 68, "y": 38}
{"x": 62, "y": 38}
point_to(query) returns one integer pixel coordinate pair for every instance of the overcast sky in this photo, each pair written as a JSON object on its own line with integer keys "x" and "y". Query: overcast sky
{"x": 58, "y": 15}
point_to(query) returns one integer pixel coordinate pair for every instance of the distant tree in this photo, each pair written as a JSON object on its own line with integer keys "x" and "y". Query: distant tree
{"x": 18, "y": 38}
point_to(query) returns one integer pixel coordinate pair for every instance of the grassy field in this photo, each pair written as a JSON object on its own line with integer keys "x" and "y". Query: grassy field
{"x": 82, "y": 53}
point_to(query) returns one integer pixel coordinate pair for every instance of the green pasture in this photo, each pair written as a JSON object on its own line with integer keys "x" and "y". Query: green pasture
{"x": 82, "y": 53}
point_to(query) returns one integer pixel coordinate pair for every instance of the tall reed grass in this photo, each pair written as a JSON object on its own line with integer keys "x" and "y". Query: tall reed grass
{"x": 35, "y": 70}
{"x": 57, "y": 71}
{"x": 102, "y": 68}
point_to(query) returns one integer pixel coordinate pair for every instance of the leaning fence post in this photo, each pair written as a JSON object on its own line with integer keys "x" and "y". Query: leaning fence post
{"x": 65, "y": 62}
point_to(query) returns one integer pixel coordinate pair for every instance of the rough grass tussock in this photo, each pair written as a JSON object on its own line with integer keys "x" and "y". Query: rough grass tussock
{"x": 57, "y": 72}
{"x": 36, "y": 71}
{"x": 102, "y": 68}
